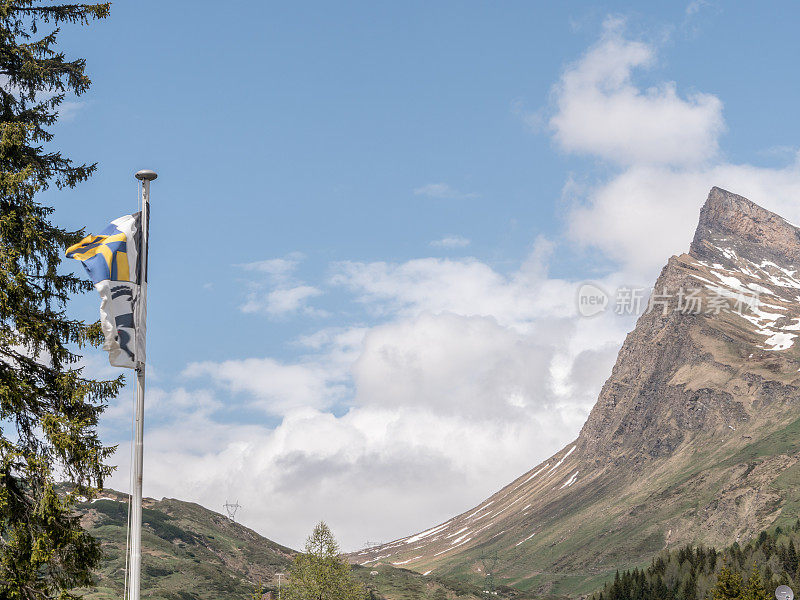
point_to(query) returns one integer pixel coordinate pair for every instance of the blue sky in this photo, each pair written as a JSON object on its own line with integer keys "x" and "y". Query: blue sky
{"x": 371, "y": 219}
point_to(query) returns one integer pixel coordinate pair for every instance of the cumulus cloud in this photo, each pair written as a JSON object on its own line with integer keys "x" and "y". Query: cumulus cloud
{"x": 349, "y": 470}
{"x": 470, "y": 377}
{"x": 277, "y": 387}
{"x": 465, "y": 286}
{"x": 442, "y": 190}
{"x": 449, "y": 363}
{"x": 282, "y": 301}
{"x": 647, "y": 213}
{"x": 601, "y": 111}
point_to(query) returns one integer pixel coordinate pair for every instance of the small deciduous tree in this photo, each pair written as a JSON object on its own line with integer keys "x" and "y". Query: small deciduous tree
{"x": 320, "y": 573}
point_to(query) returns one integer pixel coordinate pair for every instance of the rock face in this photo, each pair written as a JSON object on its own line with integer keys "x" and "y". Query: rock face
{"x": 694, "y": 437}
{"x": 736, "y": 256}
{"x": 748, "y": 227}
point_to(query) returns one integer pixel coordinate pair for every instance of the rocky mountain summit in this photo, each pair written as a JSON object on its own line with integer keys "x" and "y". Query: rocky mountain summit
{"x": 694, "y": 437}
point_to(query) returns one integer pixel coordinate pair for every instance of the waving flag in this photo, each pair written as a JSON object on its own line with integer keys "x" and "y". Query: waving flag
{"x": 113, "y": 263}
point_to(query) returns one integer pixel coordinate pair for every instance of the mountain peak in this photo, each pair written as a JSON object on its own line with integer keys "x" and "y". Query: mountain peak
{"x": 728, "y": 217}
{"x": 691, "y": 439}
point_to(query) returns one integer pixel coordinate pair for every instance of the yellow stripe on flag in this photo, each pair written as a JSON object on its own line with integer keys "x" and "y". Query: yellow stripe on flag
{"x": 102, "y": 240}
{"x": 122, "y": 267}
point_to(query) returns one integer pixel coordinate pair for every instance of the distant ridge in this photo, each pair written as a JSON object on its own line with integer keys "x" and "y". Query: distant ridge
{"x": 192, "y": 553}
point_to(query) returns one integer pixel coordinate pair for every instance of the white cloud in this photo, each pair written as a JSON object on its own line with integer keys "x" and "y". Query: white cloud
{"x": 277, "y": 387}
{"x": 451, "y": 241}
{"x": 639, "y": 216}
{"x": 282, "y": 301}
{"x": 472, "y": 378}
{"x": 279, "y": 269}
{"x": 453, "y": 364}
{"x": 351, "y": 470}
{"x": 442, "y": 190}
{"x": 600, "y": 111}
{"x": 646, "y": 213}
{"x": 161, "y": 402}
{"x": 288, "y": 294}
{"x": 68, "y": 110}
{"x": 465, "y": 286}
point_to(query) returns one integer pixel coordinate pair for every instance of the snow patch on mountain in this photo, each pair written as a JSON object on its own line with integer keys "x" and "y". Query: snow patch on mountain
{"x": 570, "y": 481}
{"x": 563, "y": 458}
{"x": 525, "y": 540}
{"x": 760, "y": 302}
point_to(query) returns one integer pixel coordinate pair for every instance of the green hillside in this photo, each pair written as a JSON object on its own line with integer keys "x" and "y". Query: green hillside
{"x": 190, "y": 552}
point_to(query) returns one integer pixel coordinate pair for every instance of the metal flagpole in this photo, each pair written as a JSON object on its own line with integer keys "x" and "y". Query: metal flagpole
{"x": 138, "y": 455}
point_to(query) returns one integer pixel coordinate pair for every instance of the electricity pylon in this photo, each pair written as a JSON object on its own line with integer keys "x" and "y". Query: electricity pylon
{"x": 231, "y": 509}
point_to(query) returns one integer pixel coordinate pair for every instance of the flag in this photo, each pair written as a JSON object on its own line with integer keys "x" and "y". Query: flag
{"x": 114, "y": 264}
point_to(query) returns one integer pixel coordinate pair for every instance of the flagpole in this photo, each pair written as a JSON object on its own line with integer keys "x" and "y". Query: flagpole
{"x": 134, "y": 579}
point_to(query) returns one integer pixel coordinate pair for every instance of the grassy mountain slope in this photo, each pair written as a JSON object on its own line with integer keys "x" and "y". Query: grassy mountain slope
{"x": 394, "y": 583}
{"x": 190, "y": 552}
{"x": 693, "y": 439}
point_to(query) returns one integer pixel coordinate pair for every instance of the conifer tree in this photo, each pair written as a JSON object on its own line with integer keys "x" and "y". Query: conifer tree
{"x": 689, "y": 589}
{"x": 48, "y": 409}
{"x": 754, "y": 589}
{"x": 320, "y": 573}
{"x": 796, "y": 578}
{"x": 659, "y": 589}
{"x": 729, "y": 585}
{"x": 768, "y": 545}
{"x": 790, "y": 562}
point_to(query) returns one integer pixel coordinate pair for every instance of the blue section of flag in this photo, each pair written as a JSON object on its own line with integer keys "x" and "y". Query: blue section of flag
{"x": 97, "y": 267}
{"x": 104, "y": 256}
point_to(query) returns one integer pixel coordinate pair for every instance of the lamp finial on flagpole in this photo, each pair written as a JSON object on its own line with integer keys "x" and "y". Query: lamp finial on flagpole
{"x": 146, "y": 175}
